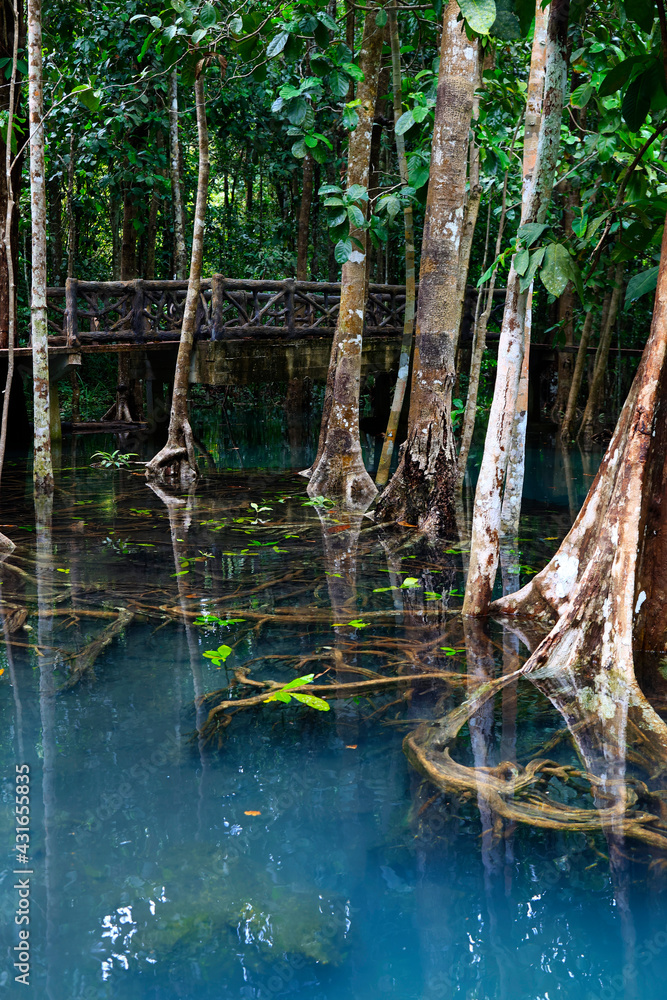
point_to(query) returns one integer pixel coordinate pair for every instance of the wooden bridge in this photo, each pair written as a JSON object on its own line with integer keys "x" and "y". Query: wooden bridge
{"x": 139, "y": 312}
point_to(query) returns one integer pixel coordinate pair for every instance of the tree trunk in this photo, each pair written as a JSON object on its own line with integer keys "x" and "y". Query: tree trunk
{"x": 177, "y": 459}
{"x": 71, "y": 215}
{"x": 42, "y": 463}
{"x": 180, "y": 253}
{"x": 339, "y": 470}
{"x": 422, "y": 490}
{"x": 304, "y": 219}
{"x": 114, "y": 219}
{"x": 128, "y": 253}
{"x": 604, "y": 586}
{"x": 12, "y": 32}
{"x": 567, "y": 426}
{"x": 566, "y": 316}
{"x": 590, "y": 417}
{"x": 409, "y": 315}
{"x": 7, "y": 93}
{"x": 485, "y": 536}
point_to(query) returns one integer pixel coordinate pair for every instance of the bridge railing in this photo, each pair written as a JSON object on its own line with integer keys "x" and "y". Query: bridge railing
{"x": 229, "y": 308}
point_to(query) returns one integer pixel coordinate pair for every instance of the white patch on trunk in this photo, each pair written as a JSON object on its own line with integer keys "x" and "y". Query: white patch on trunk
{"x": 356, "y": 257}
{"x": 640, "y": 601}
{"x": 403, "y": 372}
{"x": 566, "y": 575}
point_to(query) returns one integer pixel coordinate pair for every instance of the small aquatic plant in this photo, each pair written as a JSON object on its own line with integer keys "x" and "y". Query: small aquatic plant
{"x": 285, "y": 694}
{"x": 112, "y": 459}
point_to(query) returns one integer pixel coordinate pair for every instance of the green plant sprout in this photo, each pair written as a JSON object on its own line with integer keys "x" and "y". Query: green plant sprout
{"x": 318, "y": 502}
{"x": 206, "y": 619}
{"x": 112, "y": 459}
{"x": 219, "y": 655}
{"x": 450, "y": 651}
{"x": 285, "y": 694}
{"x": 355, "y": 623}
{"x": 408, "y": 583}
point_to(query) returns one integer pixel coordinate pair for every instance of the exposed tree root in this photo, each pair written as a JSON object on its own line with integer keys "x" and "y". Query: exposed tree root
{"x": 82, "y": 663}
{"x": 176, "y": 462}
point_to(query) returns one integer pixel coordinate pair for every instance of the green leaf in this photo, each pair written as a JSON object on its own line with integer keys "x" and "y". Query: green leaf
{"x": 381, "y": 18}
{"x": 330, "y": 189}
{"x": 410, "y": 581}
{"x": 521, "y": 262}
{"x": 356, "y": 216}
{"x": 405, "y": 122}
{"x": 353, "y": 70}
{"x": 156, "y": 22}
{"x": 198, "y": 35}
{"x": 557, "y": 269}
{"x": 178, "y": 5}
{"x": 636, "y": 103}
{"x": 296, "y": 109}
{"x": 338, "y": 82}
{"x": 208, "y": 16}
{"x": 299, "y": 682}
{"x": 531, "y": 232}
{"x": 277, "y": 44}
{"x": 350, "y": 119}
{"x": 641, "y": 284}
{"x": 280, "y": 696}
{"x": 310, "y": 141}
{"x": 480, "y": 14}
{"x": 643, "y": 12}
{"x": 580, "y": 97}
{"x": 616, "y": 77}
{"x": 357, "y": 193}
{"x": 312, "y": 701}
{"x": 299, "y": 149}
{"x": 536, "y": 259}
{"x": 342, "y": 251}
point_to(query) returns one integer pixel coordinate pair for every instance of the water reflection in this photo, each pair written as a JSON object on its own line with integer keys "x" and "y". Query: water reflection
{"x": 303, "y": 855}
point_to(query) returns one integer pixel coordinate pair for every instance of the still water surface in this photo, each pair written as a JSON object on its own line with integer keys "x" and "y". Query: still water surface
{"x": 298, "y": 854}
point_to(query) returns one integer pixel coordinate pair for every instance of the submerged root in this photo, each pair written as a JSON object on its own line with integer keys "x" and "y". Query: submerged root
{"x": 82, "y": 663}
{"x": 176, "y": 462}
{"x": 520, "y": 794}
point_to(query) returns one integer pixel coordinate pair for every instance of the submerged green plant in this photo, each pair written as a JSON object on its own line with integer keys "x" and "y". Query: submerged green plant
{"x": 113, "y": 459}
{"x": 318, "y": 502}
{"x": 219, "y": 655}
{"x": 214, "y": 620}
{"x": 285, "y": 694}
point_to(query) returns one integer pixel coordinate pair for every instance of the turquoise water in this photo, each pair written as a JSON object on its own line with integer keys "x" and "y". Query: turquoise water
{"x": 296, "y": 853}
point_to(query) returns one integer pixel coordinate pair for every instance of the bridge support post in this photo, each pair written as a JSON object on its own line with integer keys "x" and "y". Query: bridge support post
{"x": 71, "y": 313}
{"x": 217, "y": 306}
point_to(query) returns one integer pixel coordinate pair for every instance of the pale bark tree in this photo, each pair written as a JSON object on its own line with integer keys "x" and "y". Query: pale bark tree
{"x": 594, "y": 401}
{"x": 422, "y": 490}
{"x": 605, "y": 587}
{"x": 384, "y": 464}
{"x": 176, "y": 461}
{"x": 486, "y": 528}
{"x": 42, "y": 462}
{"x": 338, "y": 470}
{"x": 9, "y": 206}
{"x": 11, "y": 32}
{"x": 180, "y": 253}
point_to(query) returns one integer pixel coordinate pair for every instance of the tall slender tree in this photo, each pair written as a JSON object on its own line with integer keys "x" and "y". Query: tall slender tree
{"x": 422, "y": 490}
{"x": 486, "y": 526}
{"x": 176, "y": 461}
{"x": 42, "y": 462}
{"x": 338, "y": 470}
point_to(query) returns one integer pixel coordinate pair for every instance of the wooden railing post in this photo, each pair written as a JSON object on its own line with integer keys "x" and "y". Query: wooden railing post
{"x": 138, "y": 319}
{"x": 217, "y": 306}
{"x": 71, "y": 313}
{"x": 289, "y": 298}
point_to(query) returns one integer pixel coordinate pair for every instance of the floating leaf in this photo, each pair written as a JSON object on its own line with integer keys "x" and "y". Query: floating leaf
{"x": 252, "y": 812}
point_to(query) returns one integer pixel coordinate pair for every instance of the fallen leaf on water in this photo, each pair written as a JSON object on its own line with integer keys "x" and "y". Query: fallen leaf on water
{"x": 2, "y": 670}
{"x": 404, "y": 524}
{"x": 338, "y": 527}
{"x": 252, "y": 812}
{"x": 352, "y": 746}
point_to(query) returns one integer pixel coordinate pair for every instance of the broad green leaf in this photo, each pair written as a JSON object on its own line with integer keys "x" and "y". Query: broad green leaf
{"x": 299, "y": 149}
{"x": 327, "y": 20}
{"x": 521, "y": 262}
{"x": 198, "y": 35}
{"x": 420, "y": 112}
{"x": 350, "y": 119}
{"x": 277, "y": 44}
{"x": 342, "y": 251}
{"x": 410, "y": 581}
{"x": 353, "y": 70}
{"x": 531, "y": 232}
{"x": 480, "y": 14}
{"x": 312, "y": 701}
{"x": 208, "y": 16}
{"x": 338, "y": 82}
{"x": 557, "y": 269}
{"x": 381, "y": 18}
{"x": 156, "y": 22}
{"x": 641, "y": 284}
{"x": 357, "y": 193}
{"x": 616, "y": 77}
{"x": 580, "y": 97}
{"x": 536, "y": 259}
{"x": 296, "y": 109}
{"x": 329, "y": 189}
{"x": 636, "y": 103}
{"x": 299, "y": 682}
{"x": 310, "y": 141}
{"x": 356, "y": 216}
{"x": 643, "y": 12}
{"x": 280, "y": 696}
{"x": 405, "y": 122}
{"x": 337, "y": 220}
